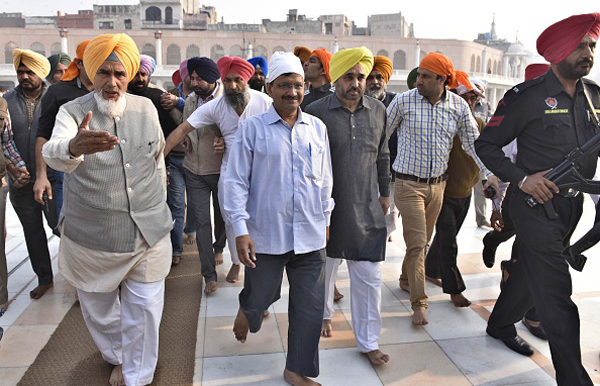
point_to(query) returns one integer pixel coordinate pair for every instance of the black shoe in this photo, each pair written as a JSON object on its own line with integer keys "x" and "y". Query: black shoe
{"x": 489, "y": 252}
{"x": 514, "y": 343}
{"x": 537, "y": 331}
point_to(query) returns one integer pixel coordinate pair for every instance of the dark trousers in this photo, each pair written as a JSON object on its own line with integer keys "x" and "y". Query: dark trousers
{"x": 3, "y": 267}
{"x": 440, "y": 262}
{"x": 199, "y": 190}
{"x": 493, "y": 238}
{"x": 29, "y": 212}
{"x": 262, "y": 287}
{"x": 540, "y": 277}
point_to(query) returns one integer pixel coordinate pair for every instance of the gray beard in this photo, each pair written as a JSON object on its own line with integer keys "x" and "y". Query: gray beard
{"x": 238, "y": 101}
{"x": 109, "y": 107}
{"x": 377, "y": 94}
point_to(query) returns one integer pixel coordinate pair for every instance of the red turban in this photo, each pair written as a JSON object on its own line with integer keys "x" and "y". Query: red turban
{"x": 176, "y": 78}
{"x": 240, "y": 66}
{"x": 559, "y": 40}
{"x": 324, "y": 58}
{"x": 440, "y": 65}
{"x": 534, "y": 70}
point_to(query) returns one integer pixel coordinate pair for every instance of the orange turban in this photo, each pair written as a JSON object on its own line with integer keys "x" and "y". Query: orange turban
{"x": 439, "y": 64}
{"x": 73, "y": 71}
{"x": 101, "y": 47}
{"x": 534, "y": 70}
{"x": 240, "y": 66}
{"x": 559, "y": 40}
{"x": 465, "y": 85}
{"x": 384, "y": 65}
{"x": 302, "y": 52}
{"x": 325, "y": 58}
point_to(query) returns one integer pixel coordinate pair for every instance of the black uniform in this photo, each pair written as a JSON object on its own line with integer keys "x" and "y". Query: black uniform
{"x": 548, "y": 123}
{"x": 316, "y": 93}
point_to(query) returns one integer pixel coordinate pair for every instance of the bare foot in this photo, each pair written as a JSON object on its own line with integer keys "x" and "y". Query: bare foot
{"x": 116, "y": 377}
{"x": 404, "y": 286}
{"x": 433, "y": 280}
{"x": 240, "y": 326}
{"x": 266, "y": 313}
{"x": 219, "y": 258}
{"x": 419, "y": 317}
{"x": 459, "y": 300}
{"x": 3, "y": 308}
{"x": 377, "y": 358}
{"x": 234, "y": 274}
{"x": 190, "y": 239}
{"x": 40, "y": 290}
{"x": 211, "y": 287}
{"x": 326, "y": 328}
{"x": 297, "y": 379}
{"x": 337, "y": 296}
{"x": 176, "y": 260}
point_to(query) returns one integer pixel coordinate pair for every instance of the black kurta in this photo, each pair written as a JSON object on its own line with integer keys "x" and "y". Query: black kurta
{"x": 361, "y": 173}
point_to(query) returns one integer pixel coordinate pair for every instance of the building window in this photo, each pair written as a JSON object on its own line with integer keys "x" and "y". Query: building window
{"x": 168, "y": 15}
{"x": 39, "y": 48}
{"x": 173, "y": 55}
{"x": 113, "y": 9}
{"x": 106, "y": 25}
{"x": 153, "y": 14}
{"x": 127, "y": 23}
{"x": 399, "y": 60}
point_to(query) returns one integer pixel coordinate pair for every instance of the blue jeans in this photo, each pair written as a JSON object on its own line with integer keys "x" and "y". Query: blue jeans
{"x": 176, "y": 201}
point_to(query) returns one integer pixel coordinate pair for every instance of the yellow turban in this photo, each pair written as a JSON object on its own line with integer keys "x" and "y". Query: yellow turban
{"x": 384, "y": 66}
{"x": 101, "y": 47}
{"x": 344, "y": 60}
{"x": 34, "y": 61}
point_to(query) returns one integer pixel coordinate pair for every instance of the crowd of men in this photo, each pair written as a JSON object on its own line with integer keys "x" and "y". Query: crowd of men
{"x": 308, "y": 161}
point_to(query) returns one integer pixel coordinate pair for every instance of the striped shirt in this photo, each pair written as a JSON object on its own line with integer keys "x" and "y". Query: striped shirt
{"x": 9, "y": 149}
{"x": 426, "y": 132}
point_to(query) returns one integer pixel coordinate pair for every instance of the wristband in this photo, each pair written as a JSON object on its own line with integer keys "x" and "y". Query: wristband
{"x": 520, "y": 184}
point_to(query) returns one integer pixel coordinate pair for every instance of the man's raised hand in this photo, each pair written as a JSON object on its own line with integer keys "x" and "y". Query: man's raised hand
{"x": 91, "y": 141}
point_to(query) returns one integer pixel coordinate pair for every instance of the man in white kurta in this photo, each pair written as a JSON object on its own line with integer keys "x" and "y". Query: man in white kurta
{"x": 115, "y": 222}
{"x": 237, "y": 104}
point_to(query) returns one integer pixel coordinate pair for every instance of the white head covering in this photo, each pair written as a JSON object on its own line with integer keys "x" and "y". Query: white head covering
{"x": 284, "y": 63}
{"x": 479, "y": 82}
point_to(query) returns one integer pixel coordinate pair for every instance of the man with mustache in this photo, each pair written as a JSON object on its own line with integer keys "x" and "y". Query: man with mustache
{"x": 261, "y": 70}
{"x": 316, "y": 72}
{"x": 115, "y": 223}
{"x": 357, "y": 129}
{"x": 202, "y": 168}
{"x": 548, "y": 116}
{"x": 237, "y": 104}
{"x": 25, "y": 106}
{"x": 176, "y": 189}
{"x": 278, "y": 199}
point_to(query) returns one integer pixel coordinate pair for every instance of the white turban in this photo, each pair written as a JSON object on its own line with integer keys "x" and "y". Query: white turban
{"x": 284, "y": 63}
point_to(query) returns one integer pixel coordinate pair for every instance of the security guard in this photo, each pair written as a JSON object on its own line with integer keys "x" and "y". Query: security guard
{"x": 549, "y": 116}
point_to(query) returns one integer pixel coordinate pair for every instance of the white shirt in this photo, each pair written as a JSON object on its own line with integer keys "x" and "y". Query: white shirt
{"x": 278, "y": 188}
{"x": 219, "y": 112}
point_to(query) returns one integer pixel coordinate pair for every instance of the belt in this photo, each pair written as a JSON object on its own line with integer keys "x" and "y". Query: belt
{"x": 430, "y": 181}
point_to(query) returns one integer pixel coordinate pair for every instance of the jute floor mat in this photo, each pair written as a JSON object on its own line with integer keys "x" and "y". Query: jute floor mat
{"x": 71, "y": 358}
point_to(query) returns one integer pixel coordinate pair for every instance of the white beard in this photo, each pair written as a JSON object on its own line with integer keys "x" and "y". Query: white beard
{"x": 109, "y": 107}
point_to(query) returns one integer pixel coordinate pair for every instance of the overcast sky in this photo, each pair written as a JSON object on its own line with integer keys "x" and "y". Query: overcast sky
{"x": 432, "y": 19}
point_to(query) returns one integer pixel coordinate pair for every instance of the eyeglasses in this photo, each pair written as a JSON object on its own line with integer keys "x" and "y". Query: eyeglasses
{"x": 289, "y": 86}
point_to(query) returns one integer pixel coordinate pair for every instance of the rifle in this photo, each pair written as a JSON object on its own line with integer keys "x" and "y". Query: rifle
{"x": 566, "y": 174}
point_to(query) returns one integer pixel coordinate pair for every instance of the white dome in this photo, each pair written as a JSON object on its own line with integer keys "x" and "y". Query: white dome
{"x": 516, "y": 49}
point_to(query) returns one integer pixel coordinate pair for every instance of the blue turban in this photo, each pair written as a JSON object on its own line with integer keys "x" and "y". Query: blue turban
{"x": 204, "y": 67}
{"x": 148, "y": 64}
{"x": 260, "y": 62}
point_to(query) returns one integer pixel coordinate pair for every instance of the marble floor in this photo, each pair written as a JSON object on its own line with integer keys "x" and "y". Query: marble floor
{"x": 452, "y": 349}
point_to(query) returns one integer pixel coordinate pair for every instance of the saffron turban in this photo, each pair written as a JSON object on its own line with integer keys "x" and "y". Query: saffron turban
{"x": 183, "y": 70}
{"x": 559, "y": 40}
{"x": 176, "y": 78}
{"x": 344, "y": 60}
{"x": 240, "y": 66}
{"x": 54, "y": 60}
{"x": 412, "y": 78}
{"x": 384, "y": 65}
{"x": 147, "y": 64}
{"x": 101, "y": 47}
{"x": 260, "y": 62}
{"x": 325, "y": 59}
{"x": 73, "y": 71}
{"x": 204, "y": 67}
{"x": 534, "y": 70}
{"x": 465, "y": 86}
{"x": 34, "y": 61}
{"x": 284, "y": 63}
{"x": 302, "y": 52}
{"x": 439, "y": 64}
